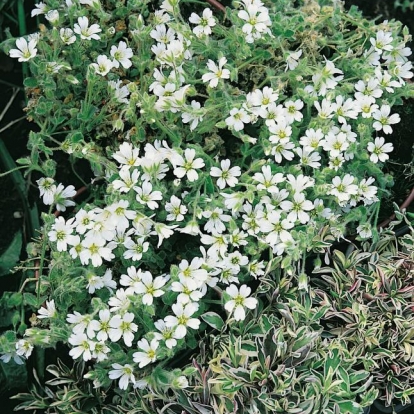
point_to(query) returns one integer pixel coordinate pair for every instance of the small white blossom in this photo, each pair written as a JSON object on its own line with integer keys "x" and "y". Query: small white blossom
{"x": 379, "y": 149}
{"x": 187, "y": 166}
{"x": 148, "y": 354}
{"x": 121, "y": 55}
{"x": 125, "y": 373}
{"x": 216, "y": 72}
{"x": 67, "y": 36}
{"x": 25, "y": 50}
{"x": 239, "y": 301}
{"x": 384, "y": 120}
{"x": 47, "y": 312}
{"x": 292, "y": 60}
{"x": 103, "y": 65}
{"x": 82, "y": 346}
{"x": 122, "y": 326}
{"x": 226, "y": 174}
{"x": 175, "y": 209}
{"x": 237, "y": 119}
{"x": 204, "y": 23}
{"x": 87, "y": 33}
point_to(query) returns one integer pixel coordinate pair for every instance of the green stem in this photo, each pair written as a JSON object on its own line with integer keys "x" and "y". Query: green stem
{"x": 22, "y": 30}
{"x": 43, "y": 254}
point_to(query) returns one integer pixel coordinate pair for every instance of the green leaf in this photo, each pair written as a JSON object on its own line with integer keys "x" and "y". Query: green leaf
{"x": 30, "y": 82}
{"x": 12, "y": 375}
{"x": 11, "y": 256}
{"x": 212, "y": 319}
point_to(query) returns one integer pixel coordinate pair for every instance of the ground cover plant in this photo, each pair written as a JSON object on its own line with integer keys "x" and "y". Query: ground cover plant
{"x": 230, "y": 148}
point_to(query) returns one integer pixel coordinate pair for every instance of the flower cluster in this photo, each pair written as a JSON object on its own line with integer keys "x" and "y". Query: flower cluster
{"x": 210, "y": 174}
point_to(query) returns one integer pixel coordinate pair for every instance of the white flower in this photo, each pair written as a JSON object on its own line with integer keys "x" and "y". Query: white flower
{"x": 293, "y": 110}
{"x": 280, "y": 130}
{"x": 81, "y": 323}
{"x": 277, "y": 229}
{"x": 282, "y": 149}
{"x": 382, "y": 41}
{"x": 41, "y": 8}
{"x": 371, "y": 89}
{"x": 292, "y": 60}
{"x": 162, "y": 35}
{"x": 297, "y": 208}
{"x": 94, "y": 249}
{"x": 368, "y": 192}
{"x": 24, "y": 348}
{"x": 103, "y": 65}
{"x": 366, "y": 105}
{"x": 25, "y": 51}
{"x": 226, "y": 174}
{"x": 151, "y": 288}
{"x": 125, "y": 373}
{"x": 127, "y": 179}
{"x": 100, "y": 352}
{"x": 239, "y": 301}
{"x": 83, "y": 345}
{"x": 192, "y": 228}
{"x": 175, "y": 209}
{"x": 312, "y": 139}
{"x": 120, "y": 92}
{"x": 379, "y": 149}
{"x": 188, "y": 291}
{"x": 67, "y": 36}
{"x": 237, "y": 119}
{"x": 121, "y": 55}
{"x": 215, "y": 223}
{"x": 257, "y": 21}
{"x": 267, "y": 181}
{"x": 299, "y": 183}
{"x": 307, "y": 158}
{"x": 182, "y": 318}
{"x": 149, "y": 354}
{"x": 218, "y": 243}
{"x": 344, "y": 109}
{"x": 84, "y": 220}
{"x": 187, "y": 167}
{"x": 61, "y": 197}
{"x": 384, "y": 119}
{"x": 325, "y": 109}
{"x": 135, "y": 250}
{"x": 7, "y": 356}
{"x": 120, "y": 302}
{"x": 82, "y": 28}
{"x": 102, "y": 326}
{"x": 52, "y": 16}
{"x": 402, "y": 71}
{"x": 364, "y": 230}
{"x": 216, "y": 72}
{"x": 163, "y": 232}
{"x": 194, "y": 117}
{"x": 262, "y": 98}
{"x": 122, "y": 326}
{"x": 343, "y": 188}
{"x": 145, "y": 195}
{"x": 205, "y": 23}
{"x": 193, "y": 271}
{"x": 335, "y": 143}
{"x": 61, "y": 233}
{"x": 47, "y": 188}
{"x": 47, "y": 312}
{"x": 273, "y": 113}
{"x": 166, "y": 334}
